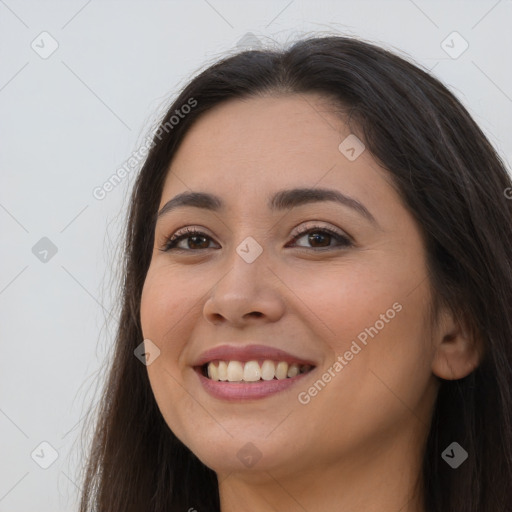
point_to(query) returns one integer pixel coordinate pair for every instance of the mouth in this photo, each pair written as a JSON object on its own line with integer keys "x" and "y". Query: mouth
{"x": 251, "y": 371}
{"x": 242, "y": 372}
{"x": 252, "y": 380}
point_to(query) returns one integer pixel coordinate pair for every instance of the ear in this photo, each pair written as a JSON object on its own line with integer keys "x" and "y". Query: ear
{"x": 457, "y": 351}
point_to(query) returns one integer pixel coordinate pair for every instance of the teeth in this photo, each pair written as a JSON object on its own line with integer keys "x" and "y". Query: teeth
{"x": 213, "y": 372}
{"x": 222, "y": 370}
{"x": 281, "y": 370}
{"x": 251, "y": 371}
{"x": 293, "y": 370}
{"x": 235, "y": 371}
{"x": 268, "y": 370}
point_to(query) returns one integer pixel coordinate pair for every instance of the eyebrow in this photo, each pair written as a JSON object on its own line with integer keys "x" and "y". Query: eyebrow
{"x": 282, "y": 200}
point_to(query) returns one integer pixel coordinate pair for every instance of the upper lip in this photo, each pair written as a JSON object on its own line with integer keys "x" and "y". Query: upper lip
{"x": 248, "y": 353}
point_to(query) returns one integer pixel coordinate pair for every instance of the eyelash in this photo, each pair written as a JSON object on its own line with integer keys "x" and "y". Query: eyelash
{"x": 172, "y": 241}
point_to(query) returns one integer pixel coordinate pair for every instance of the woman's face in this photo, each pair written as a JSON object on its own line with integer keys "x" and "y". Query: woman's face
{"x": 354, "y": 307}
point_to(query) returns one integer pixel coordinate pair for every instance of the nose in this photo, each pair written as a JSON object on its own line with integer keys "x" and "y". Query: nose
{"x": 247, "y": 293}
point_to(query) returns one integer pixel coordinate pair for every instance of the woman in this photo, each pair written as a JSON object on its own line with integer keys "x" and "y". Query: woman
{"x": 317, "y": 297}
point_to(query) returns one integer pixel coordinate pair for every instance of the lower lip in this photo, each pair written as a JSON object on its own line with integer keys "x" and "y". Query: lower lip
{"x": 236, "y": 391}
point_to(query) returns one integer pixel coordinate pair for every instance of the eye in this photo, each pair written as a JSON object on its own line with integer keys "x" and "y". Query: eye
{"x": 197, "y": 240}
{"x": 323, "y": 236}
{"x": 196, "y": 237}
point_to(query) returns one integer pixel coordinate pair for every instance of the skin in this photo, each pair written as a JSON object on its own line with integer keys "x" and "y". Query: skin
{"x": 357, "y": 444}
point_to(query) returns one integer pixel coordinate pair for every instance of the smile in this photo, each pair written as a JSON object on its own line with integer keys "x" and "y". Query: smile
{"x": 252, "y": 371}
{"x": 226, "y": 380}
{"x": 248, "y": 372}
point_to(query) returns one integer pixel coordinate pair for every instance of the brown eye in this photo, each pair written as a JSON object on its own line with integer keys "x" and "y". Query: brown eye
{"x": 196, "y": 241}
{"x": 318, "y": 237}
{"x": 321, "y": 238}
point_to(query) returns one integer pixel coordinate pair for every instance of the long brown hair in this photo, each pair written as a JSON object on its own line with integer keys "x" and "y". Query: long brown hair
{"x": 454, "y": 184}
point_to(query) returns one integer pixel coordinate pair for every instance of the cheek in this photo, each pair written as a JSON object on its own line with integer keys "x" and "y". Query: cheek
{"x": 165, "y": 302}
{"x": 382, "y": 384}
{"x": 163, "y": 320}
{"x": 374, "y": 322}
{"x": 390, "y": 377}
{"x": 163, "y": 309}
{"x": 339, "y": 302}
{"x": 152, "y": 306}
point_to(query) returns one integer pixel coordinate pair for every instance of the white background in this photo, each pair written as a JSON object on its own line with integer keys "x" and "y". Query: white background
{"x": 69, "y": 121}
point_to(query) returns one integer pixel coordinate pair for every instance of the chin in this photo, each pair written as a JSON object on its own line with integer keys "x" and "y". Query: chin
{"x": 243, "y": 454}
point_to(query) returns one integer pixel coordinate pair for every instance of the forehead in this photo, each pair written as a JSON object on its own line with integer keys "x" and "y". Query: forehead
{"x": 247, "y": 133}
{"x": 264, "y": 144}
